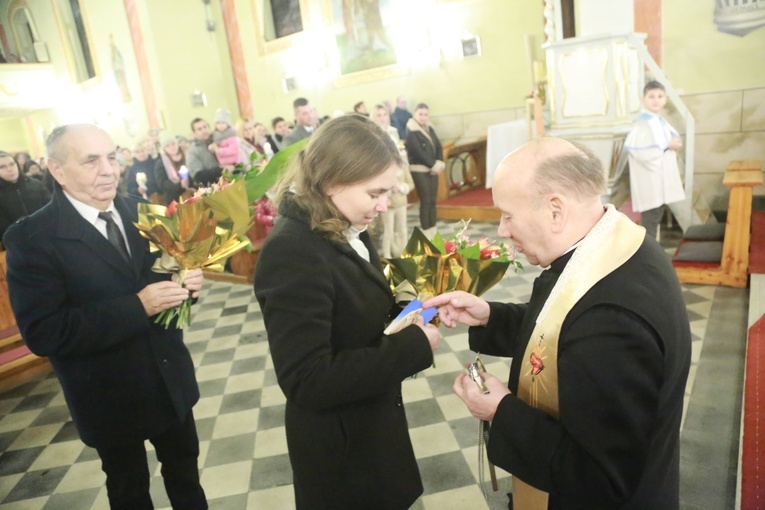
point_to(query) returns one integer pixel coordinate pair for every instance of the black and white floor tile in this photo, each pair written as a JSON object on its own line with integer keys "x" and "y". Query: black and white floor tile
{"x": 243, "y": 460}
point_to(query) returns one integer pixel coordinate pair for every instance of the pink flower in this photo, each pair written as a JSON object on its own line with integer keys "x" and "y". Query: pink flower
{"x": 195, "y": 198}
{"x": 171, "y": 209}
{"x": 450, "y": 246}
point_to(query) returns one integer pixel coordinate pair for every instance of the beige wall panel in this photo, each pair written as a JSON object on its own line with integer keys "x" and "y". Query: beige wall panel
{"x": 753, "y": 115}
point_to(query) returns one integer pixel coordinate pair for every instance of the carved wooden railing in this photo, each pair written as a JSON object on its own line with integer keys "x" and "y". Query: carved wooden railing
{"x": 465, "y": 168}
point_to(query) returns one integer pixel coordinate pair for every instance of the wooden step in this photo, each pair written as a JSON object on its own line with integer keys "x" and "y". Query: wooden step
{"x": 10, "y": 338}
{"x": 732, "y": 270}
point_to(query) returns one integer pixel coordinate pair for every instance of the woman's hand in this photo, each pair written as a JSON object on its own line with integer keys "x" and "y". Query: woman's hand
{"x": 438, "y": 167}
{"x": 431, "y": 331}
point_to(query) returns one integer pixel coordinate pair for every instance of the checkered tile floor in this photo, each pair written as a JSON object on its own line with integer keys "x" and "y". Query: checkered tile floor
{"x": 243, "y": 459}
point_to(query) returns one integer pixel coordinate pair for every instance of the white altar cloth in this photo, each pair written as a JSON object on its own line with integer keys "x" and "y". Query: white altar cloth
{"x": 501, "y": 140}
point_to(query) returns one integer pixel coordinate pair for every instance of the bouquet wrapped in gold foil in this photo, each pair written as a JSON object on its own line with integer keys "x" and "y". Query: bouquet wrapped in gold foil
{"x": 201, "y": 232}
{"x": 427, "y": 268}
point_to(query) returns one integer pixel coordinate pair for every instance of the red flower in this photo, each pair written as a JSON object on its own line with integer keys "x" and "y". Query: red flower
{"x": 171, "y": 209}
{"x": 489, "y": 253}
{"x": 450, "y": 246}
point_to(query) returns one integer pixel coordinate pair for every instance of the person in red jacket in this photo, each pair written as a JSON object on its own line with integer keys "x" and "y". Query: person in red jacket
{"x": 266, "y": 213}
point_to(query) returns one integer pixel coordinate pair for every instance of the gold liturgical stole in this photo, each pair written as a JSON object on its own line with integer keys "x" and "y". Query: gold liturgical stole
{"x": 611, "y": 242}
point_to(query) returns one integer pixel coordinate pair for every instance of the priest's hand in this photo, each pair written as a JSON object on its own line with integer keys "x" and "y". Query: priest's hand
{"x": 460, "y": 307}
{"x": 482, "y": 406}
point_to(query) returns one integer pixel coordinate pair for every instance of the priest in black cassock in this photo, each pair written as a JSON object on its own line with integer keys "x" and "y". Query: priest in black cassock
{"x": 591, "y": 415}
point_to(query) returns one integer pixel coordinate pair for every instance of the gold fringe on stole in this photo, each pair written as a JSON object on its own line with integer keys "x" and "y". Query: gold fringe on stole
{"x": 612, "y": 242}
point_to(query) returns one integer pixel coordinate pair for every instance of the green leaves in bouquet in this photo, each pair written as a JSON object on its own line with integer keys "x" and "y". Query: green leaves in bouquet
{"x": 259, "y": 182}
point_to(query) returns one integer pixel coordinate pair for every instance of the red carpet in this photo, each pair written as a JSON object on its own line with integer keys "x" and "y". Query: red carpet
{"x": 478, "y": 197}
{"x": 753, "y": 444}
{"x": 626, "y": 209}
{"x": 757, "y": 244}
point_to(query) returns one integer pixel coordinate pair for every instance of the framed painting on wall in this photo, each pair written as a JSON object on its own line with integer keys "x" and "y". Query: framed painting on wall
{"x": 72, "y": 21}
{"x": 278, "y": 23}
{"x": 362, "y": 33}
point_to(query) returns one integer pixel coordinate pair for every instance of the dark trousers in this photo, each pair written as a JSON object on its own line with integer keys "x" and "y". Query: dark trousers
{"x": 127, "y": 470}
{"x": 427, "y": 188}
{"x": 651, "y": 219}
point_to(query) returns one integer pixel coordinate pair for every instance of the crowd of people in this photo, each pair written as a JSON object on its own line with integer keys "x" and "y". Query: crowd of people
{"x": 600, "y": 354}
{"x": 162, "y": 167}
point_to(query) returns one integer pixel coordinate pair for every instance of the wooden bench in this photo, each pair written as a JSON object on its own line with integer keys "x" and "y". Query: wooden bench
{"x": 17, "y": 363}
{"x": 732, "y": 271}
{"x": 10, "y": 338}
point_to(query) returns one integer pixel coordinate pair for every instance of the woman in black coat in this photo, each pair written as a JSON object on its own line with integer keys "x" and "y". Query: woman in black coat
{"x": 171, "y": 176}
{"x": 425, "y": 163}
{"x": 325, "y": 303}
{"x": 19, "y": 195}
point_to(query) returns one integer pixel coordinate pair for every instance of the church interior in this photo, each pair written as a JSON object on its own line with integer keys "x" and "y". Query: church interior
{"x": 494, "y": 74}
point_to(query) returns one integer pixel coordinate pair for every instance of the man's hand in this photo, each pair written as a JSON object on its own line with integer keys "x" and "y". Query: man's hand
{"x": 193, "y": 281}
{"x": 481, "y": 406}
{"x": 160, "y": 296}
{"x": 459, "y": 306}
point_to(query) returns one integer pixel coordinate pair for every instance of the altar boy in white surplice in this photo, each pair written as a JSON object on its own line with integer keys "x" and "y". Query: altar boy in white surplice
{"x": 654, "y": 174}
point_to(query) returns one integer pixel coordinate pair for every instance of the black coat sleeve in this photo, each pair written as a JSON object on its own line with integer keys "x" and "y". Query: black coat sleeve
{"x": 497, "y": 338}
{"x": 438, "y": 148}
{"x": 51, "y": 324}
{"x": 5, "y": 222}
{"x": 42, "y": 195}
{"x": 295, "y": 286}
{"x": 609, "y": 378}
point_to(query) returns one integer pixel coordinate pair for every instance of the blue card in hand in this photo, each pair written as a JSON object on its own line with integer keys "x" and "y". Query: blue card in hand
{"x": 409, "y": 314}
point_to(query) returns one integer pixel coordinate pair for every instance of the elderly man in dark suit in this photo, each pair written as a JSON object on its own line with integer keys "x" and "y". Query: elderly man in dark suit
{"x": 83, "y": 293}
{"x": 601, "y": 352}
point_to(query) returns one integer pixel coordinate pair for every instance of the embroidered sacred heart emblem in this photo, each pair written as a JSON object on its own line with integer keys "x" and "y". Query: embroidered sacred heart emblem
{"x": 536, "y": 364}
